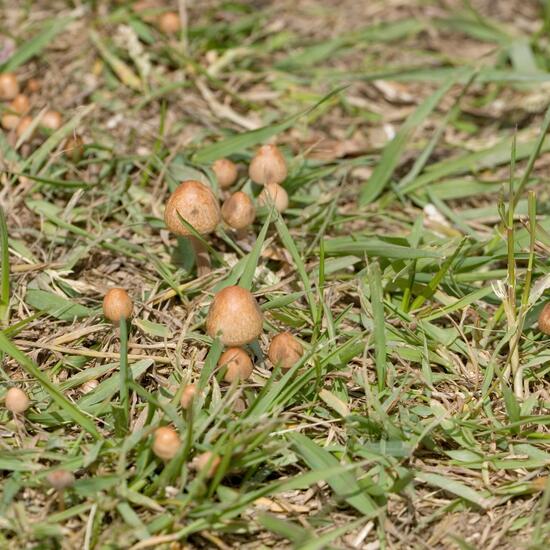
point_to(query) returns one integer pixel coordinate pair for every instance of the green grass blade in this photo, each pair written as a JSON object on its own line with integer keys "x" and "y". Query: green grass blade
{"x": 245, "y": 140}
{"x": 4, "y": 270}
{"x": 375, "y": 281}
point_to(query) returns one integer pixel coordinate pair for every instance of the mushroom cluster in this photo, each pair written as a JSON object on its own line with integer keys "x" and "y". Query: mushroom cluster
{"x": 17, "y": 118}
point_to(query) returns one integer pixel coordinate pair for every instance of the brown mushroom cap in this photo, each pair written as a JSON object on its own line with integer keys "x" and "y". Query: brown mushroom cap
{"x": 24, "y": 123}
{"x": 117, "y": 305}
{"x": 9, "y": 121}
{"x": 202, "y": 461}
{"x": 226, "y": 172}
{"x": 166, "y": 443}
{"x": 33, "y": 85}
{"x": 9, "y": 87}
{"x": 268, "y": 166}
{"x": 238, "y": 211}
{"x": 235, "y": 315}
{"x": 60, "y": 479}
{"x": 51, "y": 120}
{"x": 74, "y": 148}
{"x": 20, "y": 104}
{"x": 544, "y": 319}
{"x": 169, "y": 22}
{"x": 16, "y": 401}
{"x": 285, "y": 350}
{"x": 237, "y": 363}
{"x": 188, "y": 395}
{"x": 274, "y": 194}
{"x": 196, "y": 204}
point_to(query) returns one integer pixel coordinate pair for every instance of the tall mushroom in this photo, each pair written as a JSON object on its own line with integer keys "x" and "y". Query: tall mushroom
{"x": 268, "y": 166}
{"x": 234, "y": 316}
{"x": 195, "y": 203}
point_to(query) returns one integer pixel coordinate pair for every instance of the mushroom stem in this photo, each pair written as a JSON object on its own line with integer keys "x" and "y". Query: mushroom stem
{"x": 61, "y": 499}
{"x": 201, "y": 255}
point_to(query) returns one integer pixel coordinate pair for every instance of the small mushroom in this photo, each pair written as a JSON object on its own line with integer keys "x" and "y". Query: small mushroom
{"x": 544, "y": 319}
{"x": 274, "y": 194}
{"x": 51, "y": 120}
{"x": 235, "y": 316}
{"x": 16, "y": 401}
{"x": 169, "y": 23}
{"x": 195, "y": 203}
{"x": 268, "y": 166}
{"x": 188, "y": 396}
{"x": 33, "y": 85}
{"x": 237, "y": 363}
{"x": 285, "y": 350}
{"x": 20, "y": 104}
{"x": 166, "y": 443}
{"x": 117, "y": 305}
{"x": 9, "y": 87}
{"x": 239, "y": 212}
{"x": 226, "y": 172}
{"x": 10, "y": 121}
{"x": 24, "y": 124}
{"x": 60, "y": 480}
{"x": 207, "y": 462}
{"x": 74, "y": 148}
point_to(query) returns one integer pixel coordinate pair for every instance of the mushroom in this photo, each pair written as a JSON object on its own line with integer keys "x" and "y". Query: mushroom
{"x": 9, "y": 86}
{"x": 74, "y": 148}
{"x": 285, "y": 350}
{"x": 195, "y": 203}
{"x": 20, "y": 104}
{"x": 33, "y": 85}
{"x": 239, "y": 212}
{"x": 166, "y": 443}
{"x": 544, "y": 319}
{"x": 237, "y": 363}
{"x": 16, "y": 401}
{"x": 60, "y": 480}
{"x": 10, "y": 121}
{"x": 274, "y": 194}
{"x": 268, "y": 166}
{"x": 169, "y": 23}
{"x": 51, "y": 120}
{"x": 226, "y": 172}
{"x": 206, "y": 462}
{"x": 24, "y": 124}
{"x": 117, "y": 305}
{"x": 235, "y": 316}
{"x": 188, "y": 396}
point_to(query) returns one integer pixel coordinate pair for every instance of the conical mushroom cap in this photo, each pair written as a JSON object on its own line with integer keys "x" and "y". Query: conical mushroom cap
{"x": 268, "y": 166}
{"x": 235, "y": 315}
{"x": 196, "y": 204}
{"x": 544, "y": 319}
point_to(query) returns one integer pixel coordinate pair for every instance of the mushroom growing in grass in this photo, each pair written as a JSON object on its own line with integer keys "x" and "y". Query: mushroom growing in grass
{"x": 9, "y": 87}
{"x": 285, "y": 350}
{"x": 544, "y": 319}
{"x": 239, "y": 212}
{"x": 268, "y": 166}
{"x": 206, "y": 462}
{"x": 234, "y": 316}
{"x": 16, "y": 401}
{"x": 195, "y": 203}
{"x": 188, "y": 396}
{"x": 117, "y": 305}
{"x": 117, "y": 308}
{"x": 10, "y": 121}
{"x": 226, "y": 172}
{"x": 51, "y": 120}
{"x": 166, "y": 443}
{"x": 23, "y": 126}
{"x": 20, "y": 104}
{"x": 237, "y": 363}
{"x": 60, "y": 480}
{"x": 274, "y": 194}
{"x": 169, "y": 23}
